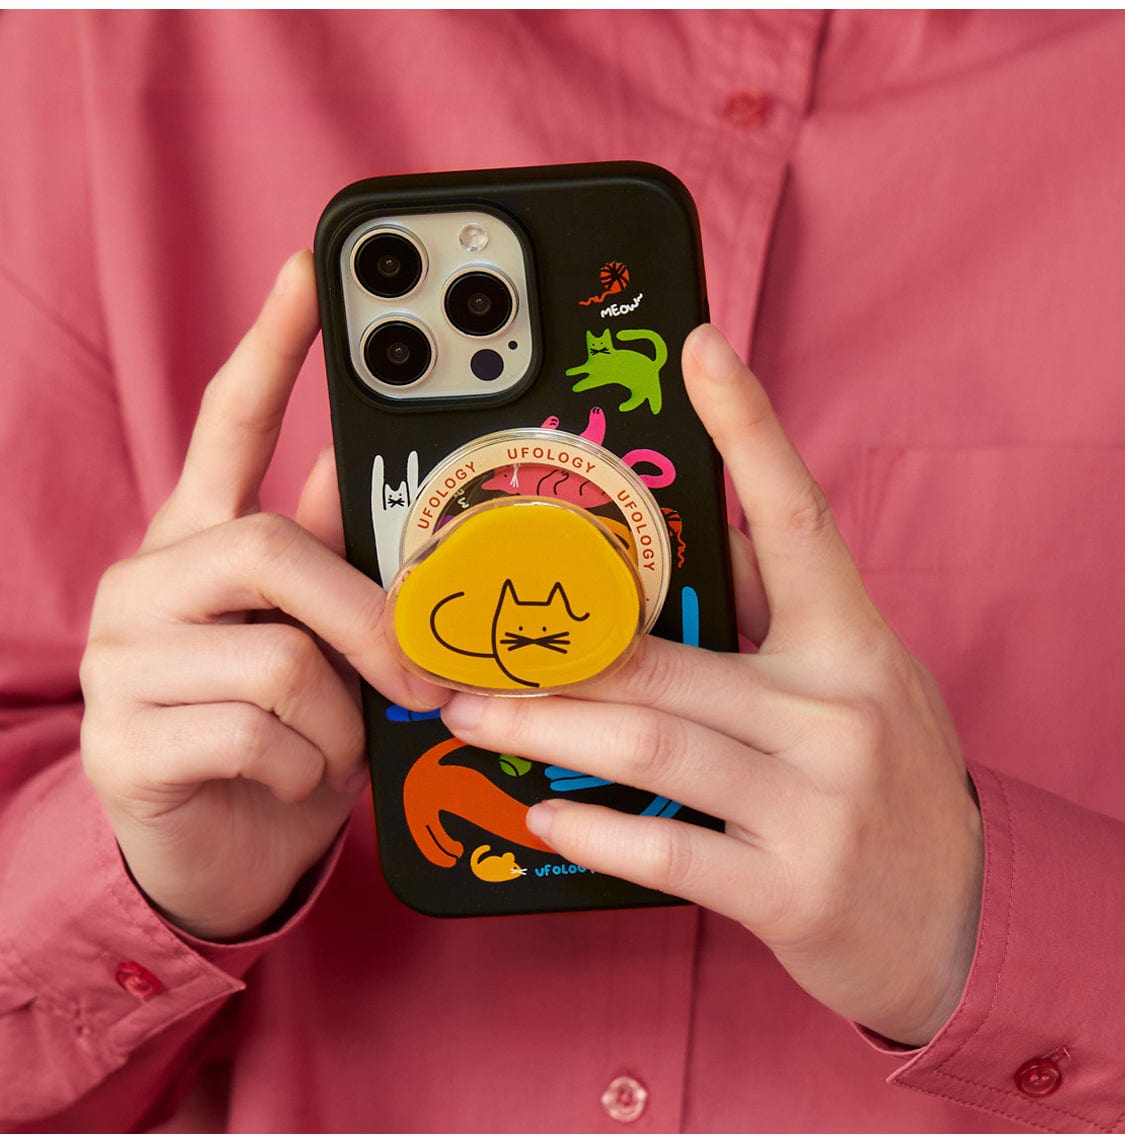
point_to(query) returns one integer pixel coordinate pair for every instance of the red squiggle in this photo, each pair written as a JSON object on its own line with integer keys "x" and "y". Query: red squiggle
{"x": 614, "y": 276}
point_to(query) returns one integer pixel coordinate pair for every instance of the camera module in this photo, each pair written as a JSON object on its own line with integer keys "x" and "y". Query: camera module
{"x": 388, "y": 264}
{"x": 479, "y": 303}
{"x": 398, "y": 352}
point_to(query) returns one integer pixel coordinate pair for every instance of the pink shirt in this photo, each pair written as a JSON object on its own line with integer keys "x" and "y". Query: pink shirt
{"x": 913, "y": 222}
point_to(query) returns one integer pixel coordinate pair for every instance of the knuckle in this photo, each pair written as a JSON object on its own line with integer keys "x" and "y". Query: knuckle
{"x": 809, "y": 515}
{"x": 291, "y": 664}
{"x": 90, "y": 672}
{"x": 513, "y": 720}
{"x": 94, "y": 751}
{"x": 270, "y": 533}
{"x": 644, "y": 742}
{"x": 109, "y": 748}
{"x": 369, "y": 623}
{"x": 114, "y": 593}
{"x": 674, "y": 858}
{"x": 653, "y": 674}
{"x": 874, "y": 650}
{"x": 264, "y": 539}
{"x": 211, "y": 401}
{"x": 859, "y": 726}
{"x": 817, "y": 884}
{"x": 107, "y": 675}
{"x": 248, "y": 732}
{"x": 841, "y": 861}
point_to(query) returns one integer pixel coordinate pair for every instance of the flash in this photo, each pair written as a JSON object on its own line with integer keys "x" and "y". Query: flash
{"x": 473, "y": 238}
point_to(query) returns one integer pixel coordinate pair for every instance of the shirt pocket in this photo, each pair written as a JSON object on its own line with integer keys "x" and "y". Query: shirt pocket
{"x": 1001, "y": 568}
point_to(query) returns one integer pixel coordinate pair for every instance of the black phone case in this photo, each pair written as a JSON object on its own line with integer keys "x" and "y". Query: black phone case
{"x": 612, "y": 250}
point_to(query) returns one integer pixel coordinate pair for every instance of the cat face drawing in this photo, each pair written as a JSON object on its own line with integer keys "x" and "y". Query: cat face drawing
{"x": 517, "y": 596}
{"x": 524, "y": 633}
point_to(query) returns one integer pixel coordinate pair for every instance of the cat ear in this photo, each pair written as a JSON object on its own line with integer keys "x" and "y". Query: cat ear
{"x": 412, "y": 476}
{"x": 505, "y": 590}
{"x": 558, "y": 588}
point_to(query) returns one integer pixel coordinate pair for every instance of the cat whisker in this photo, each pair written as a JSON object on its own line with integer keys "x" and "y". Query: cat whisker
{"x": 556, "y": 642}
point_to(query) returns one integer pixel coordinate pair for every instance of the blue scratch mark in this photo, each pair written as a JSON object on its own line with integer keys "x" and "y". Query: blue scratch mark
{"x": 662, "y": 807}
{"x": 689, "y": 615}
{"x": 401, "y": 715}
{"x": 568, "y": 780}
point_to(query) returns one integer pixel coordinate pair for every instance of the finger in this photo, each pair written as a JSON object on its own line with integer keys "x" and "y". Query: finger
{"x": 241, "y": 411}
{"x": 318, "y": 509}
{"x": 706, "y": 867}
{"x": 810, "y": 580}
{"x": 637, "y": 747}
{"x": 277, "y": 667}
{"x": 186, "y": 745}
{"x": 734, "y": 695}
{"x": 751, "y": 604}
{"x": 266, "y": 562}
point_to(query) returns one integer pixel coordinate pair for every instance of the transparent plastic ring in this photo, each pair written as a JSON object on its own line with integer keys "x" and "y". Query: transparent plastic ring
{"x": 532, "y": 560}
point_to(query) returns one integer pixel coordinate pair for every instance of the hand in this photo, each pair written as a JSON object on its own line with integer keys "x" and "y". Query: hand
{"x": 225, "y": 746}
{"x": 852, "y": 845}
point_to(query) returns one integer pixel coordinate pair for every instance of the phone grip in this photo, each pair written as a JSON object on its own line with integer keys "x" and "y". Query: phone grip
{"x": 503, "y": 592}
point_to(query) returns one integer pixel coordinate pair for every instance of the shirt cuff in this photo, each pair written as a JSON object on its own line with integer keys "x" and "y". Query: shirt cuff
{"x": 1038, "y": 1037}
{"x": 81, "y": 947}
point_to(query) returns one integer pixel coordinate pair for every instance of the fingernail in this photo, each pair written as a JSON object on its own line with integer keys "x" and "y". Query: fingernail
{"x": 463, "y": 711}
{"x": 539, "y": 819}
{"x": 711, "y": 350}
{"x": 426, "y": 695}
{"x": 285, "y": 274}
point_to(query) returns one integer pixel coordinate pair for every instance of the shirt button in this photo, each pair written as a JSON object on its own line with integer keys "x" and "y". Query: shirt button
{"x": 747, "y": 109}
{"x": 133, "y": 978}
{"x": 1038, "y": 1077}
{"x": 625, "y": 1099}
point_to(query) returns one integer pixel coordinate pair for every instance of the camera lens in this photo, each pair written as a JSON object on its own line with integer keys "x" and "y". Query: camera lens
{"x": 479, "y": 304}
{"x": 388, "y": 264}
{"x": 398, "y": 353}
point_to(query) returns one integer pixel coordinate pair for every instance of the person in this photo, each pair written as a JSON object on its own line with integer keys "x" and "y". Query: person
{"x": 911, "y": 218}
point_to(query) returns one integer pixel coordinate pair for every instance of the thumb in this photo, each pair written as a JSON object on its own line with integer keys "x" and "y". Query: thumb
{"x": 318, "y": 509}
{"x": 812, "y": 585}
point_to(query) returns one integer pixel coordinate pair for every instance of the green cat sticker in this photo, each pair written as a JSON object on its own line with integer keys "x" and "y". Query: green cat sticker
{"x": 636, "y": 371}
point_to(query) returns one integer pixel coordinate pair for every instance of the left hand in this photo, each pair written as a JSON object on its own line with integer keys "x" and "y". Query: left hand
{"x": 853, "y": 845}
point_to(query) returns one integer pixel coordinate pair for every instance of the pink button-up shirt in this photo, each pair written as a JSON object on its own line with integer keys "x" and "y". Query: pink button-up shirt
{"x": 914, "y": 225}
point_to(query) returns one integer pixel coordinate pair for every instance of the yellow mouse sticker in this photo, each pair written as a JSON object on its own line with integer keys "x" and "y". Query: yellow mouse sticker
{"x": 521, "y": 595}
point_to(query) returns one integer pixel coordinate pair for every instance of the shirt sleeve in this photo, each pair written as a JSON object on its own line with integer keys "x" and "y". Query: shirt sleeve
{"x": 1038, "y": 1037}
{"x": 101, "y": 1002}
{"x": 89, "y": 974}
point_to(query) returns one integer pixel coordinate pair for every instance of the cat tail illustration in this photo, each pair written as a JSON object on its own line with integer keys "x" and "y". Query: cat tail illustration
{"x": 432, "y": 789}
{"x": 665, "y": 473}
{"x": 660, "y": 349}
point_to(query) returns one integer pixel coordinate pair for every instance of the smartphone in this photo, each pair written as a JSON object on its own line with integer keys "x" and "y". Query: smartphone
{"x": 494, "y": 305}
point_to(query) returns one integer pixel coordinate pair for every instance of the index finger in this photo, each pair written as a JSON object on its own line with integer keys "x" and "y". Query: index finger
{"x": 812, "y": 584}
{"x": 241, "y": 411}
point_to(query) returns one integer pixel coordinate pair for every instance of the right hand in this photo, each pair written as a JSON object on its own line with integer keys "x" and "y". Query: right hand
{"x": 225, "y": 746}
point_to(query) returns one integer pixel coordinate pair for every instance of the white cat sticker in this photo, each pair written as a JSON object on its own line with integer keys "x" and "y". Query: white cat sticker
{"x": 389, "y": 505}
